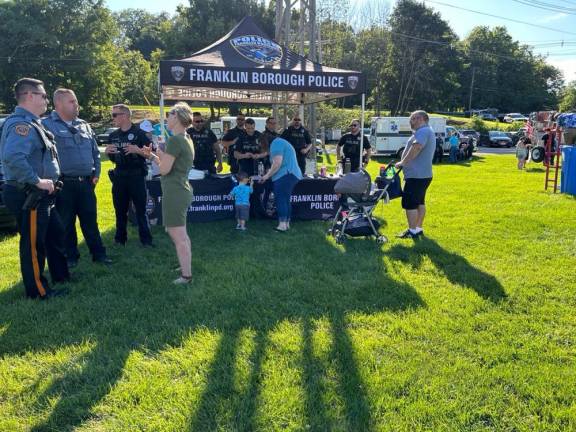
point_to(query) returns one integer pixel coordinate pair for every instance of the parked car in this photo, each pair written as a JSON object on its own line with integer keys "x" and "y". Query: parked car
{"x": 512, "y": 117}
{"x": 495, "y": 139}
{"x": 487, "y": 116}
{"x": 104, "y": 137}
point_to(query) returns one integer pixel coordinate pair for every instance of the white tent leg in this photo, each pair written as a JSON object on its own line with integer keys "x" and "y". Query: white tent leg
{"x": 362, "y": 129}
{"x": 162, "y": 128}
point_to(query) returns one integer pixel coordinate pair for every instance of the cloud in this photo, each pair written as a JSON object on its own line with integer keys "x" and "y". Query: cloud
{"x": 554, "y": 17}
{"x": 567, "y": 66}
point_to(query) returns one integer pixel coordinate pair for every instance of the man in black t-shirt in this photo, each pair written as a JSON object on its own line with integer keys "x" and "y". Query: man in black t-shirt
{"x": 206, "y": 147}
{"x": 349, "y": 144}
{"x": 300, "y": 140}
{"x": 248, "y": 150}
{"x": 129, "y": 175}
{"x": 230, "y": 139}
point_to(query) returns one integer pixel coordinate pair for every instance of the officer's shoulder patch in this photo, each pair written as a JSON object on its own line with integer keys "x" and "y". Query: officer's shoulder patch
{"x": 22, "y": 129}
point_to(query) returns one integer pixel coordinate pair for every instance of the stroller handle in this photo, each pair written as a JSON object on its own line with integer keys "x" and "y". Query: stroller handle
{"x": 390, "y": 165}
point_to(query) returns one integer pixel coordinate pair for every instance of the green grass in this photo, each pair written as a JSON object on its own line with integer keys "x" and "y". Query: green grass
{"x": 471, "y": 329}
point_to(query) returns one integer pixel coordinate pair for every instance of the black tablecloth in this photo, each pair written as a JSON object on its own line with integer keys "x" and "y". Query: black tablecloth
{"x": 312, "y": 199}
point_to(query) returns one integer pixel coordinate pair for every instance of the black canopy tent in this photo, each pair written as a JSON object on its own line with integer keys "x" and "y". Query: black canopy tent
{"x": 246, "y": 66}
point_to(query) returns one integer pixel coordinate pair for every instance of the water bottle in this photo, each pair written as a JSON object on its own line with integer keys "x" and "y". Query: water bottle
{"x": 260, "y": 169}
{"x": 382, "y": 171}
{"x": 347, "y": 166}
{"x": 323, "y": 171}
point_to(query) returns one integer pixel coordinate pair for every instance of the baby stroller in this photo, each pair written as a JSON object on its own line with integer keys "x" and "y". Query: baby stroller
{"x": 357, "y": 203}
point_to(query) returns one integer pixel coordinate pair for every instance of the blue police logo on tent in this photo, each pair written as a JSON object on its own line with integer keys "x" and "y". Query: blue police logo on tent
{"x": 258, "y": 49}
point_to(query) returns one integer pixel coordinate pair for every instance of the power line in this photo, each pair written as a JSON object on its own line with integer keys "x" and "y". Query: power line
{"x": 548, "y": 6}
{"x": 500, "y": 17}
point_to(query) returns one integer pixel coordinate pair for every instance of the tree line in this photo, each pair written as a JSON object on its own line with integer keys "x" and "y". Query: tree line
{"x": 411, "y": 56}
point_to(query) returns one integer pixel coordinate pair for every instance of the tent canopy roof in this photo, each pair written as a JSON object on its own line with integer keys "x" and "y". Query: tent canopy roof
{"x": 247, "y": 66}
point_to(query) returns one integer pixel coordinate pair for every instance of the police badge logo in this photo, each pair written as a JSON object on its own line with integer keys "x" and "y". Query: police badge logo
{"x": 177, "y": 72}
{"x": 130, "y": 137}
{"x": 353, "y": 82}
{"x": 257, "y": 49}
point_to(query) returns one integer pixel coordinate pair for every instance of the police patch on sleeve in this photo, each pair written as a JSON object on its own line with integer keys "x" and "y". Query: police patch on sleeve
{"x": 22, "y": 130}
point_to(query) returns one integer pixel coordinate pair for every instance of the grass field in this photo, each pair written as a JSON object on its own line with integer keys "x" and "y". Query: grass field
{"x": 472, "y": 328}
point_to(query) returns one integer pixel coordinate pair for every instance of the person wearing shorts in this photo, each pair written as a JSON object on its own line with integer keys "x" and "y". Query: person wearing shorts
{"x": 416, "y": 163}
{"x": 241, "y": 195}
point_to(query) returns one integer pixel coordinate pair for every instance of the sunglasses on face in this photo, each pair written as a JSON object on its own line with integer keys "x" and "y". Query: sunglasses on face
{"x": 353, "y": 125}
{"x": 198, "y": 121}
{"x": 42, "y": 95}
{"x": 240, "y": 119}
{"x": 296, "y": 120}
{"x": 114, "y": 115}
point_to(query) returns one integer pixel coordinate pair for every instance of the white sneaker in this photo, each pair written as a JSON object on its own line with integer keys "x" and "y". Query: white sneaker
{"x": 182, "y": 280}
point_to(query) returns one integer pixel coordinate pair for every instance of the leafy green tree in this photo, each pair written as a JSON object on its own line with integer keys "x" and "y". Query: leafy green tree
{"x": 422, "y": 66}
{"x": 568, "y": 102}
{"x": 64, "y": 43}
{"x": 143, "y": 31}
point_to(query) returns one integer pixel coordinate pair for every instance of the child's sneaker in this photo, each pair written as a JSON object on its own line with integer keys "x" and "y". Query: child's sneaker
{"x": 238, "y": 227}
{"x": 243, "y": 228}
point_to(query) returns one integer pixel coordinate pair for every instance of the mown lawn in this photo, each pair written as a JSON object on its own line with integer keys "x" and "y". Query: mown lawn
{"x": 472, "y": 328}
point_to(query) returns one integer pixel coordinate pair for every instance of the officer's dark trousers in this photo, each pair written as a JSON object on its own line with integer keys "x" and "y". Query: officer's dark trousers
{"x": 41, "y": 237}
{"x": 301, "y": 158}
{"x": 126, "y": 188}
{"x": 78, "y": 198}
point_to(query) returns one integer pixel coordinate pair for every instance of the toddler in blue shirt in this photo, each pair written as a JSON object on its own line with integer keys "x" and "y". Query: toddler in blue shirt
{"x": 241, "y": 194}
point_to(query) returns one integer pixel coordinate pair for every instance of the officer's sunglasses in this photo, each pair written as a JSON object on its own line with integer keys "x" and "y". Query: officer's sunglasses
{"x": 198, "y": 121}
{"x": 42, "y": 95}
{"x": 354, "y": 125}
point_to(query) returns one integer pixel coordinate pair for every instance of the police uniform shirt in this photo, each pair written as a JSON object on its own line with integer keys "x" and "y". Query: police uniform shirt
{"x": 249, "y": 144}
{"x": 351, "y": 143}
{"x": 121, "y": 139}
{"x": 203, "y": 140}
{"x": 77, "y": 148}
{"x": 231, "y": 135}
{"x": 298, "y": 137}
{"x": 27, "y": 151}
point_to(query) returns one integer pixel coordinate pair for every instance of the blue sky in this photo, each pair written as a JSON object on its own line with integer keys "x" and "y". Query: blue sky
{"x": 461, "y": 21}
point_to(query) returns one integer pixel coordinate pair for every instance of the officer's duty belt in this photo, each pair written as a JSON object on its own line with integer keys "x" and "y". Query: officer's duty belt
{"x": 75, "y": 178}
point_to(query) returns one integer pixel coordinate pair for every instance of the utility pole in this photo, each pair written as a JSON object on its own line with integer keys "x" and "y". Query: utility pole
{"x": 471, "y": 89}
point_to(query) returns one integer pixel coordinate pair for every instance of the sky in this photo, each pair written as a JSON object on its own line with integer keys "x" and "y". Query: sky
{"x": 548, "y": 42}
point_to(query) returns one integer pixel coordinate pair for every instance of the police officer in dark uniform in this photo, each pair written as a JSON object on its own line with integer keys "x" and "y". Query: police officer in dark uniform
{"x": 230, "y": 139}
{"x": 300, "y": 139}
{"x": 349, "y": 144}
{"x": 270, "y": 130}
{"x": 248, "y": 150}
{"x": 80, "y": 165}
{"x": 129, "y": 175}
{"x": 31, "y": 169}
{"x": 206, "y": 147}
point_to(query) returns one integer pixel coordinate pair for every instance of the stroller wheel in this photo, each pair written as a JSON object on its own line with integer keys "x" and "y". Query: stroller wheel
{"x": 381, "y": 240}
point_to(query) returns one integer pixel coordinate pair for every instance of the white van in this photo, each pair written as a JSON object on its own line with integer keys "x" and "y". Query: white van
{"x": 220, "y": 127}
{"x": 388, "y": 135}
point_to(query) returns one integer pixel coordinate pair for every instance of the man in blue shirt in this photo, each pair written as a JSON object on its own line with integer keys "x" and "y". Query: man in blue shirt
{"x": 417, "y": 165}
{"x": 80, "y": 165}
{"x": 31, "y": 170}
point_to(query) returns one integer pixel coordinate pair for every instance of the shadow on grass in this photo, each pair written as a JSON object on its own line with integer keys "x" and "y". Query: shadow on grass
{"x": 267, "y": 278}
{"x": 455, "y": 267}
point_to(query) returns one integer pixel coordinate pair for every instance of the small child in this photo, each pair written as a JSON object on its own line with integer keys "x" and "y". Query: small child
{"x": 241, "y": 194}
{"x": 521, "y": 153}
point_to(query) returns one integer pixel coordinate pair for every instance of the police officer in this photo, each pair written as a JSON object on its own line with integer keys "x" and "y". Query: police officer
{"x": 230, "y": 139}
{"x": 206, "y": 148}
{"x": 349, "y": 144}
{"x": 31, "y": 170}
{"x": 248, "y": 151}
{"x": 80, "y": 165}
{"x": 300, "y": 139}
{"x": 270, "y": 130}
{"x": 129, "y": 175}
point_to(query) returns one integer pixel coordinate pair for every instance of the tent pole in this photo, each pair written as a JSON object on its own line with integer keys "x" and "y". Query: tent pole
{"x": 362, "y": 130}
{"x": 162, "y": 129}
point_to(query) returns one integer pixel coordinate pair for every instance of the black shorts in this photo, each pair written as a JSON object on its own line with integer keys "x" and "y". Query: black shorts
{"x": 414, "y": 193}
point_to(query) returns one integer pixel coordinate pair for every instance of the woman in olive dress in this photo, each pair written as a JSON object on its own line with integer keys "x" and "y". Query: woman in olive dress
{"x": 174, "y": 164}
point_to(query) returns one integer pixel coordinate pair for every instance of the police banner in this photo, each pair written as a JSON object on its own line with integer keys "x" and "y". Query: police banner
{"x": 181, "y": 73}
{"x": 312, "y": 199}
